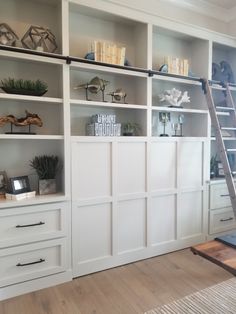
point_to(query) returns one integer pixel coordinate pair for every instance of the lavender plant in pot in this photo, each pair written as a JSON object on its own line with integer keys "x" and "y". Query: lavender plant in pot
{"x": 46, "y": 168}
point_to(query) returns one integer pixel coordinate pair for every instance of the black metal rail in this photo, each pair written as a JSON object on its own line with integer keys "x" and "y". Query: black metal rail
{"x": 69, "y": 59}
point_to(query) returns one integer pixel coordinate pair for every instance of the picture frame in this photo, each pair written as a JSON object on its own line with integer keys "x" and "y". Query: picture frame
{"x": 3, "y": 183}
{"x": 220, "y": 170}
{"x": 20, "y": 185}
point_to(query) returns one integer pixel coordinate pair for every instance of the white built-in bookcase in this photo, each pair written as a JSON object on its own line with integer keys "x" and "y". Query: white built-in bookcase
{"x": 132, "y": 197}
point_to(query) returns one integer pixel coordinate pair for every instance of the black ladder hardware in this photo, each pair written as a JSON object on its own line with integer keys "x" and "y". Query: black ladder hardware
{"x": 222, "y": 150}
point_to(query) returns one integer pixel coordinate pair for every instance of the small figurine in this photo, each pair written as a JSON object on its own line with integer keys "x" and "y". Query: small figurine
{"x": 175, "y": 97}
{"x": 181, "y": 122}
{"x": 118, "y": 95}
{"x": 164, "y": 117}
{"x": 94, "y": 86}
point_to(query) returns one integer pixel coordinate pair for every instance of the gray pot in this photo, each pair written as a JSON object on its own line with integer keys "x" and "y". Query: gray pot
{"x": 47, "y": 186}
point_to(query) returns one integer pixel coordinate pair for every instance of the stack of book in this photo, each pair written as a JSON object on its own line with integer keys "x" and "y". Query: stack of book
{"x": 109, "y": 53}
{"x": 103, "y": 125}
{"x": 177, "y": 66}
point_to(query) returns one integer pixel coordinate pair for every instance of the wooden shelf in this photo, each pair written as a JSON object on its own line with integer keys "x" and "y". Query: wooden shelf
{"x": 108, "y": 69}
{"x": 188, "y": 80}
{"x": 80, "y": 102}
{"x": 25, "y": 98}
{"x": 169, "y": 109}
{"x": 30, "y": 137}
{"x": 39, "y": 199}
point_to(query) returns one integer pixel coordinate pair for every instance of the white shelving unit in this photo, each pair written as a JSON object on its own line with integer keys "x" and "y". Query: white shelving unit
{"x": 130, "y": 197}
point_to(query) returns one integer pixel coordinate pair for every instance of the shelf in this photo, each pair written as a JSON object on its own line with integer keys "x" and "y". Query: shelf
{"x": 39, "y": 199}
{"x": 109, "y": 68}
{"x": 30, "y": 137}
{"x": 25, "y": 98}
{"x": 109, "y": 138}
{"x": 225, "y": 138}
{"x": 174, "y": 78}
{"x": 105, "y": 104}
{"x": 157, "y": 108}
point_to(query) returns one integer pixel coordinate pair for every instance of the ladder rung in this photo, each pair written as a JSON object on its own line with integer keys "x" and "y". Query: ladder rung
{"x": 225, "y": 108}
{"x": 229, "y": 129}
{"x": 222, "y": 113}
{"x": 231, "y": 149}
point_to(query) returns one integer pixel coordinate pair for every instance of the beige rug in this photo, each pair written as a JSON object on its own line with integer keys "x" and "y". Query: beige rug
{"x": 218, "y": 299}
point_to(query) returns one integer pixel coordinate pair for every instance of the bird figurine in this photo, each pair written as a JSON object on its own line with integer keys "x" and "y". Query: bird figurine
{"x": 94, "y": 86}
{"x": 118, "y": 95}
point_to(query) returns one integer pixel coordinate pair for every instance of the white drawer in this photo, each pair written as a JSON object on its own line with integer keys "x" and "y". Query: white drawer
{"x": 219, "y": 196}
{"x": 32, "y": 223}
{"x": 222, "y": 220}
{"x": 31, "y": 261}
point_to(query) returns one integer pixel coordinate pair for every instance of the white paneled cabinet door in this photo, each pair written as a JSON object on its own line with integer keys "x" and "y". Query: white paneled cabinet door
{"x": 191, "y": 182}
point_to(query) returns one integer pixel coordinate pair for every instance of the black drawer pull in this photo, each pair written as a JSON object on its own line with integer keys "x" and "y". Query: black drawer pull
{"x": 227, "y": 219}
{"x": 31, "y": 225}
{"x": 32, "y": 263}
{"x": 224, "y": 195}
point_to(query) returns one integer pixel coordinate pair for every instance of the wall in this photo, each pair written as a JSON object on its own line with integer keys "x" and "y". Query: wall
{"x": 164, "y": 9}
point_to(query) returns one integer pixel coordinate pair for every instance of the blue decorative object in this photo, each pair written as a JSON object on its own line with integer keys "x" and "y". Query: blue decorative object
{"x": 222, "y": 72}
{"x": 164, "y": 68}
{"x": 90, "y": 56}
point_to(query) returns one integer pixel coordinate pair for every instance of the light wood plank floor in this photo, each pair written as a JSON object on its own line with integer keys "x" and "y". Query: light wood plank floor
{"x": 130, "y": 289}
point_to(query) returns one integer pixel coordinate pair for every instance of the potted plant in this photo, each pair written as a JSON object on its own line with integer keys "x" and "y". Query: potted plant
{"x": 24, "y": 87}
{"x": 131, "y": 129}
{"x": 46, "y": 168}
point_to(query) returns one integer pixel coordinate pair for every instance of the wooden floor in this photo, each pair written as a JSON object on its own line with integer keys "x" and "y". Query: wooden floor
{"x": 130, "y": 289}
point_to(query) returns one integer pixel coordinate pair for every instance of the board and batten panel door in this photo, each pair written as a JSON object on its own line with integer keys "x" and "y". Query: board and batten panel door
{"x": 131, "y": 225}
{"x": 91, "y": 170}
{"x": 190, "y": 160}
{"x": 131, "y": 168}
{"x": 92, "y": 234}
{"x": 190, "y": 214}
{"x": 163, "y": 166}
{"x": 163, "y": 219}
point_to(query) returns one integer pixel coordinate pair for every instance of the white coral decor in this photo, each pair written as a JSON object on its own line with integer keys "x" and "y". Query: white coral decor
{"x": 175, "y": 97}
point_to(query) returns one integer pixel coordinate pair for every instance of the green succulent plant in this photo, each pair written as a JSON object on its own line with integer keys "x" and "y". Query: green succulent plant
{"x": 46, "y": 166}
{"x": 130, "y": 127}
{"x": 27, "y": 85}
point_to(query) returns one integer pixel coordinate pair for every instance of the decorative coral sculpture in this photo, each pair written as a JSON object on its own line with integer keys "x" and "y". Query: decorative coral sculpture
{"x": 39, "y": 38}
{"x": 175, "y": 97}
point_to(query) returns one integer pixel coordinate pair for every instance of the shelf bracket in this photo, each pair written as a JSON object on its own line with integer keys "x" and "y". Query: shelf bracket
{"x": 204, "y": 81}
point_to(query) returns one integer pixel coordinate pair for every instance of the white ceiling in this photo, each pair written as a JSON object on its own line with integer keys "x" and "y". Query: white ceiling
{"x": 227, "y": 4}
{"x": 223, "y": 10}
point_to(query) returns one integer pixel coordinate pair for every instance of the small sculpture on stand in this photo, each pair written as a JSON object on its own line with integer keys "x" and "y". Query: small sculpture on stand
{"x": 118, "y": 95}
{"x": 181, "y": 122}
{"x": 176, "y": 128}
{"x": 164, "y": 118}
{"x": 94, "y": 86}
{"x": 28, "y": 120}
{"x": 39, "y": 38}
{"x": 175, "y": 97}
{"x": 7, "y": 36}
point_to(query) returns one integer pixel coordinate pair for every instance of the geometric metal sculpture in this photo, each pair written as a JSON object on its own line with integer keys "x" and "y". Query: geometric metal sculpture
{"x": 7, "y": 35}
{"x": 118, "y": 95}
{"x": 38, "y": 37}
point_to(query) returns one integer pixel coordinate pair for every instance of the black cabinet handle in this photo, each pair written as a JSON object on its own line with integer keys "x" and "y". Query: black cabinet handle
{"x": 31, "y": 225}
{"x": 224, "y": 195}
{"x": 227, "y": 219}
{"x": 32, "y": 263}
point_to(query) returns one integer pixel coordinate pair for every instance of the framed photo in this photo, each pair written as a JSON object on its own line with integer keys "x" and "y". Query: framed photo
{"x": 20, "y": 185}
{"x": 3, "y": 183}
{"x": 220, "y": 170}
